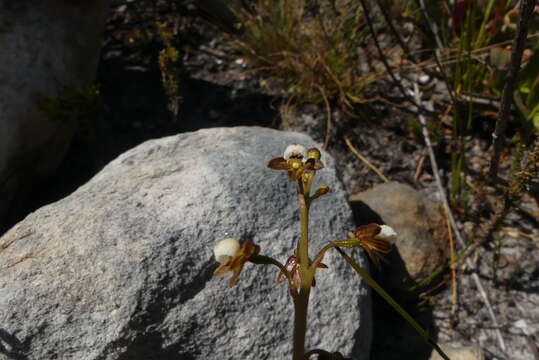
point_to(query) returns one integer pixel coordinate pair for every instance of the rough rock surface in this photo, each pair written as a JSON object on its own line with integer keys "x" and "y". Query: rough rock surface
{"x": 456, "y": 352}
{"x": 121, "y": 269}
{"x": 47, "y": 45}
{"x": 420, "y": 246}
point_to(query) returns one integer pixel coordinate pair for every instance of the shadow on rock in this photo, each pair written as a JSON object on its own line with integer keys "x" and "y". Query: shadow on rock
{"x": 10, "y": 346}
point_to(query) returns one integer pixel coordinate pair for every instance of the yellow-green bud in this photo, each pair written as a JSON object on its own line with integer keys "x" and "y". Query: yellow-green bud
{"x": 322, "y": 190}
{"x": 314, "y": 153}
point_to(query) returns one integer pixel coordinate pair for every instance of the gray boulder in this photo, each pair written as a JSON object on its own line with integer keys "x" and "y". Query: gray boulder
{"x": 122, "y": 268}
{"x": 46, "y": 46}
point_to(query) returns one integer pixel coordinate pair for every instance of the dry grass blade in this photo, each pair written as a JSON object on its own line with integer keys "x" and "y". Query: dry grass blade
{"x": 364, "y": 159}
{"x": 453, "y": 267}
{"x": 419, "y": 167}
{"x": 328, "y": 116}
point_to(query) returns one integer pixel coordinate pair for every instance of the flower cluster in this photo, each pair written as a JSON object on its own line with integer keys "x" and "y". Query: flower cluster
{"x": 298, "y": 161}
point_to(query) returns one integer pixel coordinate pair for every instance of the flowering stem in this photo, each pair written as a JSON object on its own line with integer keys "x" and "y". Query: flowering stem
{"x": 301, "y": 300}
{"x": 303, "y": 246}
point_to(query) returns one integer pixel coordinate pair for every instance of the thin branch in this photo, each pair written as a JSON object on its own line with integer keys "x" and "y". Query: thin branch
{"x": 526, "y": 10}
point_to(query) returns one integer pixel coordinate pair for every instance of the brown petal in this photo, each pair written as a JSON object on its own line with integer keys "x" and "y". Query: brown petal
{"x": 321, "y": 266}
{"x": 366, "y": 235}
{"x": 235, "y": 274}
{"x": 376, "y": 257}
{"x": 378, "y": 244}
{"x": 278, "y": 164}
{"x": 222, "y": 270}
{"x": 367, "y": 231}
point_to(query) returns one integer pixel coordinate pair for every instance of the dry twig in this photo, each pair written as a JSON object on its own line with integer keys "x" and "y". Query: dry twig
{"x": 453, "y": 266}
{"x": 364, "y": 159}
{"x": 526, "y": 10}
{"x": 419, "y": 167}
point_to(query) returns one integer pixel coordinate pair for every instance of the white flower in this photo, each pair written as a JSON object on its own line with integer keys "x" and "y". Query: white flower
{"x": 387, "y": 233}
{"x": 295, "y": 151}
{"x": 225, "y": 250}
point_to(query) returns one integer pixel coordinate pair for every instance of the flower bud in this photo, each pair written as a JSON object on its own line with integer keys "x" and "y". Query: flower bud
{"x": 226, "y": 249}
{"x": 295, "y": 151}
{"x": 322, "y": 190}
{"x": 314, "y": 153}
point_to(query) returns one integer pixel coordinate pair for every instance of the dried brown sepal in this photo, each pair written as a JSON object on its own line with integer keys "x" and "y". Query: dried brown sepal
{"x": 235, "y": 264}
{"x": 292, "y": 265}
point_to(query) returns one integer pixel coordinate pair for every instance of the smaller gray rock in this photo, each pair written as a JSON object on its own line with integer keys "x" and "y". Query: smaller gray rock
{"x": 420, "y": 247}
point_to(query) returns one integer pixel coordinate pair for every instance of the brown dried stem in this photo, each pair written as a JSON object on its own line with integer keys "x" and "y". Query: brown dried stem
{"x": 526, "y": 10}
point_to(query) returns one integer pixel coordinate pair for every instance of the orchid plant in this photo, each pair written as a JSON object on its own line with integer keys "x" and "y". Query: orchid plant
{"x": 300, "y": 268}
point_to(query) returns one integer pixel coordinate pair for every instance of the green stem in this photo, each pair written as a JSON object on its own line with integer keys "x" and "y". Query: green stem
{"x": 301, "y": 300}
{"x": 261, "y": 259}
{"x": 343, "y": 243}
{"x": 301, "y": 305}
{"x": 483, "y": 26}
{"x": 303, "y": 246}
